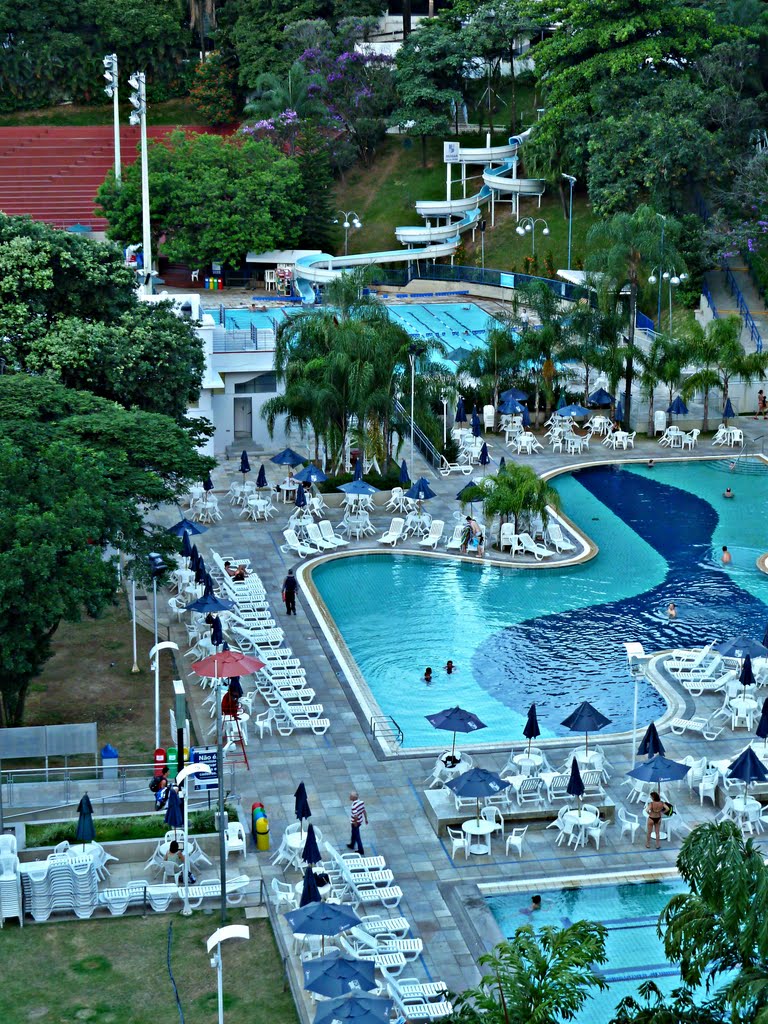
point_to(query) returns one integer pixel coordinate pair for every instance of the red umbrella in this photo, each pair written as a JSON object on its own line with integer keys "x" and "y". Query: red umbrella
{"x": 227, "y": 663}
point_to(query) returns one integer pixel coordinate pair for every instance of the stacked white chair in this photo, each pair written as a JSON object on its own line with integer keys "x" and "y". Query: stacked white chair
{"x": 63, "y": 883}
{"x": 10, "y": 884}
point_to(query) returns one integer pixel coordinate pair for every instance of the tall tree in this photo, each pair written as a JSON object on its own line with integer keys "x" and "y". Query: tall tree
{"x": 494, "y": 363}
{"x": 663, "y": 363}
{"x": 516, "y": 492}
{"x": 542, "y": 345}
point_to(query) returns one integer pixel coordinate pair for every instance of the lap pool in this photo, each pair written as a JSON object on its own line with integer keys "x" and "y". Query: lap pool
{"x": 630, "y": 914}
{"x": 556, "y": 636}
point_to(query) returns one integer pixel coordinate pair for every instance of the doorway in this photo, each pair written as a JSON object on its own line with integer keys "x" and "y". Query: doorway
{"x": 243, "y": 418}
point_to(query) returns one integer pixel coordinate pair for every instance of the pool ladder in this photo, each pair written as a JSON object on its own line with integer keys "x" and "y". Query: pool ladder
{"x": 385, "y": 724}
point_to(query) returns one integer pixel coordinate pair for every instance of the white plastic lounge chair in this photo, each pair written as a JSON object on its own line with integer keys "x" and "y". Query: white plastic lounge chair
{"x": 705, "y": 726}
{"x": 412, "y": 988}
{"x": 434, "y": 536}
{"x": 556, "y": 538}
{"x": 530, "y": 547}
{"x": 394, "y": 533}
{"x": 418, "y": 1008}
{"x": 316, "y": 538}
{"x": 508, "y": 538}
{"x": 454, "y": 542}
{"x": 292, "y": 543}
{"x": 326, "y": 532}
{"x": 696, "y": 687}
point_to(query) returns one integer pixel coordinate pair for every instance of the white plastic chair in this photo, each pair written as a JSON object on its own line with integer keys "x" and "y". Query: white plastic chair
{"x": 326, "y": 532}
{"x": 515, "y": 840}
{"x": 394, "y": 533}
{"x": 494, "y": 815}
{"x": 629, "y": 823}
{"x": 234, "y": 839}
{"x": 458, "y": 842}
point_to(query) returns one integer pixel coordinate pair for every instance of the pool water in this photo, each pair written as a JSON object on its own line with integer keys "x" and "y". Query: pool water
{"x": 630, "y": 913}
{"x": 556, "y": 636}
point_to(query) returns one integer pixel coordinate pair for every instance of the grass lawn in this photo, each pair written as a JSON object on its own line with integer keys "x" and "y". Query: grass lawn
{"x": 179, "y": 111}
{"x": 115, "y": 972}
{"x": 383, "y": 196}
{"x": 89, "y": 679}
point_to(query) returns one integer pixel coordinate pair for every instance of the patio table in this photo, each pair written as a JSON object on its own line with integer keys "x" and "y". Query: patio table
{"x": 481, "y": 830}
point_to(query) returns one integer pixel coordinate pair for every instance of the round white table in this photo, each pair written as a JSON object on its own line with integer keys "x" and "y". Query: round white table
{"x": 481, "y": 829}
{"x": 288, "y": 490}
{"x": 324, "y": 890}
{"x": 744, "y": 706}
{"x": 587, "y": 761}
{"x": 528, "y": 763}
{"x": 581, "y": 821}
{"x": 746, "y": 805}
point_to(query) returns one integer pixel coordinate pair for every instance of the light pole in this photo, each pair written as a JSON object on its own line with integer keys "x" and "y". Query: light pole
{"x": 673, "y": 279}
{"x": 528, "y": 224}
{"x": 138, "y": 101}
{"x": 663, "y": 220}
{"x": 192, "y": 769}
{"x": 571, "y": 181}
{"x": 157, "y": 568}
{"x": 635, "y": 652}
{"x": 231, "y": 931}
{"x": 351, "y": 220}
{"x": 154, "y": 663}
{"x": 444, "y": 400}
{"x": 482, "y": 243}
{"x": 414, "y": 351}
{"x": 110, "y": 73}
{"x": 133, "y": 624}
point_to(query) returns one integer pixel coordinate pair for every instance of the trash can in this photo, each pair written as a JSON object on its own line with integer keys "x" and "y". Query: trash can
{"x": 262, "y": 834}
{"x": 207, "y": 283}
{"x": 159, "y": 760}
{"x": 108, "y": 762}
{"x": 173, "y": 761}
{"x": 257, "y": 811}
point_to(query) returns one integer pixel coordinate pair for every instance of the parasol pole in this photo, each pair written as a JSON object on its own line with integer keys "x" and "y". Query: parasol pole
{"x": 220, "y": 779}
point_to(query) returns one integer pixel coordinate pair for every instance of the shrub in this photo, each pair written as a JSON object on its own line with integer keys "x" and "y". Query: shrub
{"x": 214, "y": 90}
{"x": 110, "y": 830}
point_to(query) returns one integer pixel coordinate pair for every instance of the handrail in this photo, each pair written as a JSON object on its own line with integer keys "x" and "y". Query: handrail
{"x": 749, "y": 321}
{"x": 388, "y": 722}
{"x": 710, "y": 301}
{"x": 422, "y": 442}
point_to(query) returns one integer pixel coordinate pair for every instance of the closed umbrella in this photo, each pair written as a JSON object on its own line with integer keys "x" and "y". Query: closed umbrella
{"x": 358, "y": 471}
{"x": 455, "y": 720}
{"x": 575, "y": 785}
{"x": 747, "y": 676}
{"x": 476, "y": 426}
{"x": 531, "y": 730}
{"x": 335, "y": 974}
{"x": 620, "y": 412}
{"x": 586, "y": 719}
{"x": 311, "y": 852}
{"x": 309, "y": 891}
{"x": 194, "y": 558}
{"x": 659, "y": 769}
{"x": 85, "y": 832}
{"x": 287, "y": 457}
{"x": 217, "y": 632}
{"x": 600, "y": 398}
{"x": 207, "y": 486}
{"x": 461, "y": 415}
{"x": 762, "y": 726}
{"x": 200, "y": 571}
{"x": 748, "y": 768}
{"x": 301, "y": 804}
{"x": 174, "y": 812}
{"x": 245, "y": 466}
{"x": 728, "y": 412}
{"x": 354, "y": 1008}
{"x": 187, "y": 526}
{"x": 502, "y": 464}
{"x": 186, "y": 546}
{"x": 477, "y": 783}
{"x": 310, "y": 475}
{"x": 678, "y": 407}
{"x": 300, "y": 501}
{"x": 261, "y": 479}
{"x": 404, "y": 478}
{"x": 485, "y": 458}
{"x": 650, "y": 743}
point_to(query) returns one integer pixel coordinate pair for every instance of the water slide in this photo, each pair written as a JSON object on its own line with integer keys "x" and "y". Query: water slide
{"x": 458, "y": 215}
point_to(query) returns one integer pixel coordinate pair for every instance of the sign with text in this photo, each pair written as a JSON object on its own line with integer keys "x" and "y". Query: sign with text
{"x": 206, "y": 755}
{"x": 451, "y": 152}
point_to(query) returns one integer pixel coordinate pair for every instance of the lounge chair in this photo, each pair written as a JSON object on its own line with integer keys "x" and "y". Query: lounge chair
{"x": 292, "y": 543}
{"x": 508, "y": 538}
{"x": 530, "y": 547}
{"x": 394, "y": 533}
{"x": 558, "y": 541}
{"x": 434, "y": 536}
{"x": 316, "y": 538}
{"x": 326, "y": 532}
{"x": 454, "y": 542}
{"x": 696, "y": 687}
{"x": 705, "y": 726}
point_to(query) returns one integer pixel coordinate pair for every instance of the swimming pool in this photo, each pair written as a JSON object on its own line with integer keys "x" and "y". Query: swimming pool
{"x": 630, "y": 913}
{"x": 556, "y": 636}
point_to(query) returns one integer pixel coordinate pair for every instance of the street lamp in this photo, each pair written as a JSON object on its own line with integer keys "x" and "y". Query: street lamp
{"x": 110, "y": 73}
{"x": 528, "y": 224}
{"x": 637, "y": 660}
{"x": 231, "y": 931}
{"x": 351, "y": 220}
{"x": 673, "y": 279}
{"x": 444, "y": 400}
{"x": 138, "y": 100}
{"x": 192, "y": 769}
{"x": 157, "y": 567}
{"x": 414, "y": 351}
{"x": 571, "y": 181}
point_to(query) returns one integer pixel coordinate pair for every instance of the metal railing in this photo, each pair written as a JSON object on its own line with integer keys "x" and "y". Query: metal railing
{"x": 420, "y": 439}
{"x": 387, "y": 724}
{"x": 743, "y": 308}
{"x": 710, "y": 301}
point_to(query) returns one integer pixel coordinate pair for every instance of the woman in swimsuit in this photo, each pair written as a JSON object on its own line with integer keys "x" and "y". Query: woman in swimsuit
{"x": 655, "y": 809}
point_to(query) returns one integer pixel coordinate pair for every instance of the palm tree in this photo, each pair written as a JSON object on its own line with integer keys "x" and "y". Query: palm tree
{"x": 202, "y": 15}
{"x": 495, "y": 362}
{"x": 718, "y": 353}
{"x": 515, "y": 492}
{"x": 543, "y": 346}
{"x": 583, "y": 342}
{"x": 291, "y": 91}
{"x": 663, "y": 363}
{"x": 624, "y": 245}
{"x": 540, "y": 976}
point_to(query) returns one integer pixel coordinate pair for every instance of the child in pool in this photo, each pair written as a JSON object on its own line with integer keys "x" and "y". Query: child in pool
{"x": 428, "y": 676}
{"x": 450, "y": 668}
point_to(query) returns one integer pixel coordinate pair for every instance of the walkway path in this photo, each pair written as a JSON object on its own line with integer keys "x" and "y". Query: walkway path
{"x": 727, "y": 305}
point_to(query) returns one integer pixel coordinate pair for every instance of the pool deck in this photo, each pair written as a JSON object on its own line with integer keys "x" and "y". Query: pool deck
{"x": 440, "y": 894}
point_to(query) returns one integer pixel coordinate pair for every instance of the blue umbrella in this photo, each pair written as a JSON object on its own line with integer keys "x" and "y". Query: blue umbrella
{"x": 354, "y": 1009}
{"x": 477, "y": 782}
{"x": 650, "y": 745}
{"x": 575, "y": 785}
{"x": 511, "y": 407}
{"x": 186, "y": 546}
{"x": 194, "y": 558}
{"x": 311, "y": 851}
{"x": 461, "y": 415}
{"x": 572, "y": 410}
{"x": 210, "y": 603}
{"x": 762, "y": 726}
{"x": 421, "y": 490}
{"x": 728, "y": 412}
{"x": 586, "y": 719}
{"x": 476, "y": 426}
{"x": 502, "y": 464}
{"x": 301, "y": 804}
{"x": 620, "y": 412}
{"x": 455, "y": 720}
{"x": 404, "y": 478}
{"x": 741, "y": 646}
{"x": 515, "y": 394}
{"x": 174, "y": 812}
{"x": 678, "y": 407}
{"x": 358, "y": 487}
{"x": 747, "y": 676}
{"x": 300, "y": 501}
{"x": 485, "y": 458}
{"x": 310, "y": 475}
{"x": 472, "y": 485}
{"x": 86, "y": 832}
{"x": 187, "y": 526}
{"x": 207, "y": 486}
{"x": 261, "y": 479}
{"x": 322, "y": 919}
{"x": 217, "y": 632}
{"x": 358, "y": 470}
{"x": 659, "y": 769}
{"x": 748, "y": 768}
{"x": 287, "y": 457}
{"x": 335, "y": 974}
{"x": 245, "y": 466}
{"x": 200, "y": 571}
{"x": 531, "y": 730}
{"x": 309, "y": 892}
{"x": 561, "y": 402}
{"x": 600, "y": 397}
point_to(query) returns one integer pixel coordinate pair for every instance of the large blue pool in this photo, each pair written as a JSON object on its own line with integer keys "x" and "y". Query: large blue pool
{"x": 629, "y": 912}
{"x": 556, "y": 636}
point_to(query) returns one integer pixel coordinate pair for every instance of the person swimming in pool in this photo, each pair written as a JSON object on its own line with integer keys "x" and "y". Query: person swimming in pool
{"x": 672, "y": 610}
{"x": 726, "y": 556}
{"x": 450, "y": 667}
{"x": 727, "y": 493}
{"x": 535, "y": 905}
{"x": 428, "y": 676}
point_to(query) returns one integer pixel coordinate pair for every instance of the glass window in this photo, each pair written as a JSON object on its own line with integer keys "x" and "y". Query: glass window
{"x": 262, "y": 383}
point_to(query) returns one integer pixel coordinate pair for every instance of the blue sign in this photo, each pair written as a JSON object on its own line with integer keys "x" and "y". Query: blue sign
{"x": 206, "y": 755}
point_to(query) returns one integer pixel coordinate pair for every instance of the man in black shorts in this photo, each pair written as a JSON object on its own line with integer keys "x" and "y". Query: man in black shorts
{"x": 290, "y": 586}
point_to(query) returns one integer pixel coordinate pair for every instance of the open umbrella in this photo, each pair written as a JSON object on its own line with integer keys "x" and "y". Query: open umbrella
{"x": 404, "y": 478}
{"x": 300, "y": 501}
{"x": 311, "y": 852}
{"x": 322, "y": 919}
{"x": 728, "y": 412}
{"x": 455, "y": 720}
{"x": 309, "y": 892}
{"x": 207, "y": 486}
{"x": 748, "y": 768}
{"x": 678, "y": 407}
{"x": 354, "y": 1008}
{"x": 210, "y": 603}
{"x": 485, "y": 458}
{"x": 477, "y": 782}
{"x": 227, "y": 663}
{"x": 741, "y": 646}
{"x": 335, "y": 974}
{"x": 747, "y": 676}
{"x": 586, "y": 719}
{"x": 245, "y": 466}
{"x": 650, "y": 743}
{"x": 476, "y": 425}
{"x": 310, "y": 475}
{"x": 573, "y": 410}
{"x": 515, "y": 394}
{"x": 358, "y": 487}
{"x": 358, "y": 470}
{"x": 420, "y": 490}
{"x": 762, "y": 726}
{"x": 174, "y": 812}
{"x": 659, "y": 769}
{"x": 575, "y": 785}
{"x": 261, "y": 479}
{"x": 301, "y": 804}
{"x": 287, "y": 457}
{"x": 187, "y": 526}
{"x": 600, "y": 398}
{"x": 461, "y": 415}
{"x": 531, "y": 730}
{"x": 86, "y": 832}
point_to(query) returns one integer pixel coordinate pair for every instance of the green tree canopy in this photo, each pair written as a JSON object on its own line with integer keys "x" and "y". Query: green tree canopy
{"x": 78, "y": 473}
{"x": 516, "y": 492}
{"x": 213, "y": 198}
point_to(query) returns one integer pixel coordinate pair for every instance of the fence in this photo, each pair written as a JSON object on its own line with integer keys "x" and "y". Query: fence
{"x": 420, "y": 439}
{"x": 743, "y": 308}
